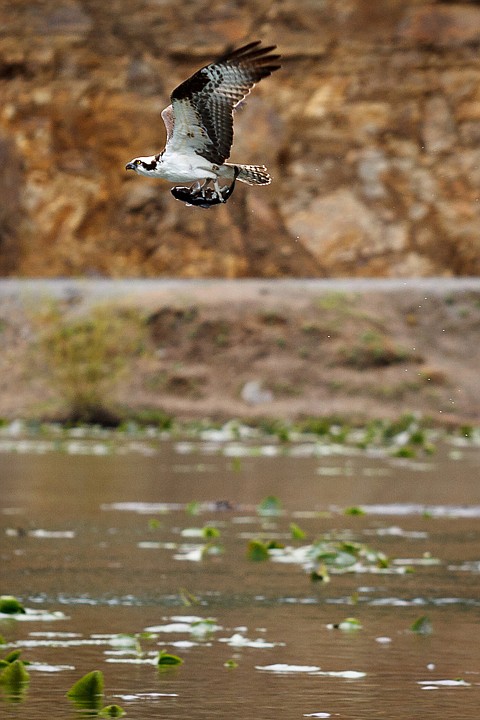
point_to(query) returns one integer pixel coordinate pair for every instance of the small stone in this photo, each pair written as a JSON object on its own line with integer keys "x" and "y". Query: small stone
{"x": 254, "y": 394}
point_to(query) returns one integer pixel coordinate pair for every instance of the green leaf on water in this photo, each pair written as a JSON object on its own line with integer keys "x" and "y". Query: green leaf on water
{"x": 210, "y": 532}
{"x": 166, "y": 660}
{"x": 354, "y": 510}
{"x": 12, "y": 656}
{"x": 193, "y": 508}
{"x": 320, "y": 574}
{"x": 153, "y": 524}
{"x": 275, "y": 545}
{"x": 205, "y": 626}
{"x": 112, "y": 711}
{"x": 188, "y": 599}
{"x": 14, "y": 675}
{"x": 89, "y": 687}
{"x": 236, "y": 464}
{"x": 257, "y": 551}
{"x": 9, "y": 605}
{"x": 383, "y": 561}
{"x": 404, "y": 452}
{"x": 230, "y": 664}
{"x": 422, "y": 626}
{"x": 296, "y": 532}
{"x": 270, "y": 505}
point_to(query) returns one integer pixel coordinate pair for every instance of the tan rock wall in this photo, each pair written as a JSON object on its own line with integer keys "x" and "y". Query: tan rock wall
{"x": 371, "y": 131}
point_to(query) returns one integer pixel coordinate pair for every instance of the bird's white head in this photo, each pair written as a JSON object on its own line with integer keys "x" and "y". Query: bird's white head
{"x": 144, "y": 165}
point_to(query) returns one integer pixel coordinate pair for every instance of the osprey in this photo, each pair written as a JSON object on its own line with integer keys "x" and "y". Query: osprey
{"x": 199, "y": 124}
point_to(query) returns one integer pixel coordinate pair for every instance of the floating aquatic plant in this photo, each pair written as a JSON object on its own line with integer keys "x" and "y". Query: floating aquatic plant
{"x": 11, "y": 657}
{"x": 193, "y": 507}
{"x": 320, "y": 574}
{"x": 258, "y": 550}
{"x": 9, "y": 605}
{"x": 210, "y": 532}
{"x": 270, "y": 505}
{"x": 111, "y": 711}
{"x": 354, "y": 510}
{"x": 14, "y": 678}
{"x": 296, "y": 532}
{"x": 167, "y": 660}
{"x": 422, "y": 626}
{"x": 187, "y": 598}
{"x": 87, "y": 692}
{"x": 154, "y": 524}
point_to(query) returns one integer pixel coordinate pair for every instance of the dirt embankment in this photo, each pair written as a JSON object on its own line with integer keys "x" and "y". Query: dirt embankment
{"x": 221, "y": 349}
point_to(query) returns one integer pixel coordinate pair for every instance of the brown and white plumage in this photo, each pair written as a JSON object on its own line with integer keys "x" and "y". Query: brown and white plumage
{"x": 199, "y": 121}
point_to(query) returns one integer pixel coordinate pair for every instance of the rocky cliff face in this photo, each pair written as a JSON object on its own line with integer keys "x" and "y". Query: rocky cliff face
{"x": 371, "y": 131}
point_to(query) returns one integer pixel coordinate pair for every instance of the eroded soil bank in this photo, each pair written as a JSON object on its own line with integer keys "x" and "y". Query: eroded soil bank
{"x": 287, "y": 349}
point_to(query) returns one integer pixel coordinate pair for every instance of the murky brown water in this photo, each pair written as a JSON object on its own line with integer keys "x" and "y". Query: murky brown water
{"x": 88, "y": 551}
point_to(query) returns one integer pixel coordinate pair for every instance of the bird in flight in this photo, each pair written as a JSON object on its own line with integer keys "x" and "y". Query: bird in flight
{"x": 199, "y": 124}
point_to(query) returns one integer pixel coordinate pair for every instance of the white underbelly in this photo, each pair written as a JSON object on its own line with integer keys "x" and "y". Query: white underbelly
{"x": 185, "y": 168}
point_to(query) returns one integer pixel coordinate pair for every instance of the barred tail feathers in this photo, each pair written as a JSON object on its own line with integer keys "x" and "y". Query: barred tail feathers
{"x": 253, "y": 174}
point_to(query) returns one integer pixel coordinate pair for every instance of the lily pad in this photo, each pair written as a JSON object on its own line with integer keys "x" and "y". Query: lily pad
{"x": 210, "y": 532}
{"x": 12, "y": 656}
{"x": 167, "y": 660}
{"x": 14, "y": 673}
{"x": 9, "y": 605}
{"x": 257, "y": 551}
{"x": 14, "y": 679}
{"x": 112, "y": 711}
{"x": 89, "y": 687}
{"x": 354, "y": 510}
{"x": 296, "y": 532}
{"x": 270, "y": 505}
{"x": 422, "y": 626}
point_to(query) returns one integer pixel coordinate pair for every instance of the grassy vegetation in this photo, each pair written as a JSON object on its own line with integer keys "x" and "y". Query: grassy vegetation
{"x": 373, "y": 349}
{"x": 87, "y": 356}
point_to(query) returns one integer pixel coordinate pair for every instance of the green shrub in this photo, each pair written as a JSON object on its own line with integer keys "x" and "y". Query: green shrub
{"x": 87, "y": 355}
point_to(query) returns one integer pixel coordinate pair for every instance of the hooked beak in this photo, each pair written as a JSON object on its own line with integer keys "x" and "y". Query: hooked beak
{"x": 130, "y": 166}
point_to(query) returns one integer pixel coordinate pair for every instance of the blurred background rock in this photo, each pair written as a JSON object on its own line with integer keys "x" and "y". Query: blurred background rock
{"x": 371, "y": 131}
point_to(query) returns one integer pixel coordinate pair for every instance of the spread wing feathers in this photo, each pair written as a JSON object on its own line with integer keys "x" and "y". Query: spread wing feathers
{"x": 202, "y": 106}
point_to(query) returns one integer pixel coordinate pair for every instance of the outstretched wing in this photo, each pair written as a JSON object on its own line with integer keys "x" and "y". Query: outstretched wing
{"x": 203, "y": 105}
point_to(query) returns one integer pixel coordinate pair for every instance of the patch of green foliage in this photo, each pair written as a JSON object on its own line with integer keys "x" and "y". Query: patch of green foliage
{"x": 422, "y": 626}
{"x": 373, "y": 349}
{"x": 88, "y": 689}
{"x": 112, "y": 711}
{"x": 269, "y": 506}
{"x": 88, "y": 355}
{"x": 210, "y": 532}
{"x": 9, "y": 605}
{"x": 167, "y": 660}
{"x": 14, "y": 679}
{"x": 257, "y": 551}
{"x": 354, "y": 510}
{"x": 296, "y": 532}
{"x": 187, "y": 598}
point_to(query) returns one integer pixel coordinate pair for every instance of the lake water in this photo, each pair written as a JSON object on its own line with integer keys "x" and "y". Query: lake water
{"x": 104, "y": 542}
